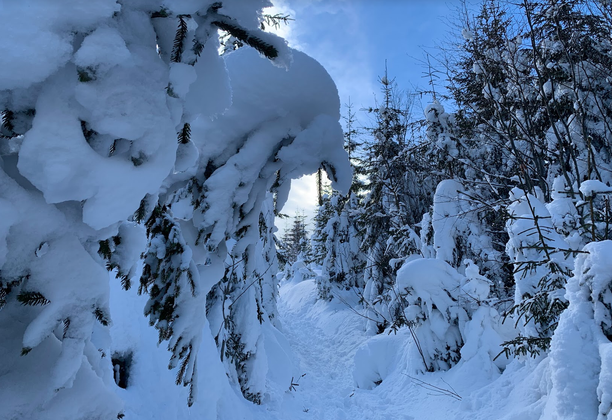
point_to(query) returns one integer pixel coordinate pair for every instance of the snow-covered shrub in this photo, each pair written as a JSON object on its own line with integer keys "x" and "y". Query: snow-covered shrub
{"x": 542, "y": 264}
{"x": 581, "y": 347}
{"x": 428, "y": 302}
{"x": 458, "y": 232}
{"x": 376, "y": 359}
{"x": 299, "y": 271}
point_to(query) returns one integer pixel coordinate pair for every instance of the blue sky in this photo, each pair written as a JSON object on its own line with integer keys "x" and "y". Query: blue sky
{"x": 352, "y": 40}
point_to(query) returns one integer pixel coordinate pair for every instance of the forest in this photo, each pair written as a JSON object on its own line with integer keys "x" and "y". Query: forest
{"x": 460, "y": 261}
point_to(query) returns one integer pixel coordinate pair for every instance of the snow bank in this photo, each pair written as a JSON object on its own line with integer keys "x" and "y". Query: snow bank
{"x": 376, "y": 359}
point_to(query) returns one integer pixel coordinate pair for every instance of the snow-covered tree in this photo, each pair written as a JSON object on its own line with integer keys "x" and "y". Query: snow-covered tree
{"x": 107, "y": 122}
{"x": 294, "y": 243}
{"x": 387, "y": 216}
{"x": 580, "y": 357}
{"x": 427, "y": 302}
{"x": 342, "y": 262}
{"x": 543, "y": 263}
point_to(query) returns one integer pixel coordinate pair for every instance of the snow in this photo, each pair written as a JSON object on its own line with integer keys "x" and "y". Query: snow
{"x": 591, "y": 187}
{"x": 56, "y": 158}
{"x": 467, "y": 34}
{"x": 41, "y": 238}
{"x": 105, "y": 105}
{"x": 211, "y": 93}
{"x": 99, "y": 97}
{"x": 35, "y": 45}
{"x": 101, "y": 50}
{"x": 338, "y": 368}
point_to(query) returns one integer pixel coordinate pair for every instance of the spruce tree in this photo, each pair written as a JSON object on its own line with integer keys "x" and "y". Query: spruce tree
{"x": 118, "y": 107}
{"x": 294, "y": 242}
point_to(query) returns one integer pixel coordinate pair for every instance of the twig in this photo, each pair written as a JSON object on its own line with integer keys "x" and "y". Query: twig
{"x": 436, "y": 389}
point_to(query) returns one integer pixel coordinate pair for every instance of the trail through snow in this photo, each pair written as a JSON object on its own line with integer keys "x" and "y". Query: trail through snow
{"x": 329, "y": 342}
{"x": 326, "y": 342}
{"x": 325, "y": 352}
{"x": 326, "y": 336}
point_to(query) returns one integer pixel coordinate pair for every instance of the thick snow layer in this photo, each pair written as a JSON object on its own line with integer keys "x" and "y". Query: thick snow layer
{"x": 323, "y": 366}
{"x": 430, "y": 279}
{"x": 37, "y": 36}
{"x": 591, "y": 187}
{"x": 151, "y": 393}
{"x": 274, "y": 92}
{"x": 105, "y": 103}
{"x": 57, "y": 159}
{"x": 9, "y": 215}
{"x": 281, "y": 125}
{"x": 101, "y": 50}
{"x": 43, "y": 241}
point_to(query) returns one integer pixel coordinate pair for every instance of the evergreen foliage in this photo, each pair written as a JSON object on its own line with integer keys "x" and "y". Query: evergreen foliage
{"x": 170, "y": 279}
{"x": 103, "y": 167}
{"x": 294, "y": 242}
{"x": 515, "y": 181}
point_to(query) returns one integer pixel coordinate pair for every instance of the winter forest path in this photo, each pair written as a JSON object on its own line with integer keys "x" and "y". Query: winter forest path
{"x": 325, "y": 352}
{"x": 325, "y": 337}
{"x": 329, "y": 344}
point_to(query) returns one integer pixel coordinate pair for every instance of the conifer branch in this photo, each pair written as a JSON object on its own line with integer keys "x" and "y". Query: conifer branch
{"x": 102, "y": 317}
{"x": 179, "y": 40}
{"x": 32, "y": 299}
{"x": 184, "y": 135}
{"x": 274, "y": 20}
{"x": 231, "y": 26}
{"x": 66, "y": 327}
{"x": 7, "y": 122}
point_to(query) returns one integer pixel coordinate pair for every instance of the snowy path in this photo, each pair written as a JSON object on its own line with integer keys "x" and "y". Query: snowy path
{"x": 325, "y": 352}
{"x": 325, "y": 337}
